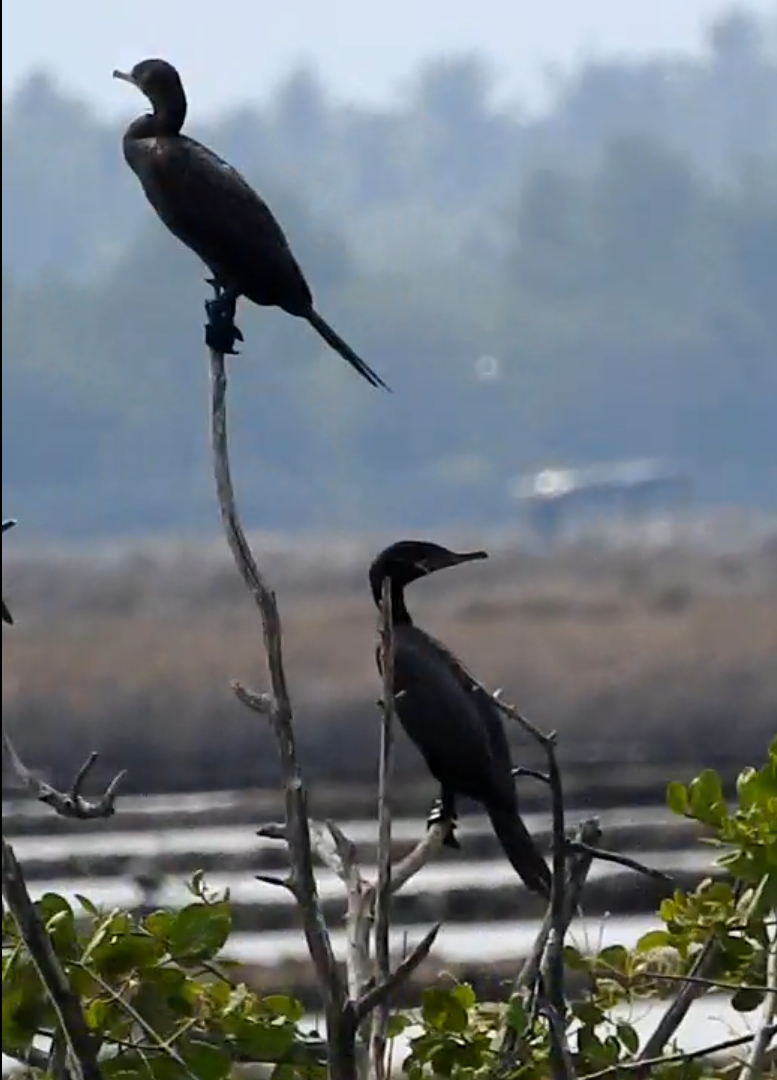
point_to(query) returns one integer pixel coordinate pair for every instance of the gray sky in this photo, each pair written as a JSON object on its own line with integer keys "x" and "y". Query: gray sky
{"x": 365, "y": 51}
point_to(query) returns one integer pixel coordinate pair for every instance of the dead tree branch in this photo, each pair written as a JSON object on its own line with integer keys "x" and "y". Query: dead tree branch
{"x": 587, "y": 834}
{"x": 552, "y": 983}
{"x": 277, "y": 707}
{"x": 67, "y": 804}
{"x": 383, "y": 892}
{"x": 345, "y": 1007}
{"x": 81, "y": 1045}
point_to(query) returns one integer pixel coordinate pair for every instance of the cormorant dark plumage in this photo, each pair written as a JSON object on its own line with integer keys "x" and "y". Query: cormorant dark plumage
{"x": 212, "y": 209}
{"x": 454, "y": 723}
{"x": 7, "y": 616}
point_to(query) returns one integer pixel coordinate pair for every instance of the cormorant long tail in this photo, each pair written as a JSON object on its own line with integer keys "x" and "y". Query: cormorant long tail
{"x": 214, "y": 211}
{"x": 454, "y": 723}
{"x": 7, "y": 616}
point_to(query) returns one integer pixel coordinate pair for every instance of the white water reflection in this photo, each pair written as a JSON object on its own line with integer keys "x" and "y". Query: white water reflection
{"x": 436, "y": 878}
{"x": 241, "y": 839}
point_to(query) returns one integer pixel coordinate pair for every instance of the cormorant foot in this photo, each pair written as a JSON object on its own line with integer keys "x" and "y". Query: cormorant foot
{"x": 438, "y": 816}
{"x": 220, "y": 330}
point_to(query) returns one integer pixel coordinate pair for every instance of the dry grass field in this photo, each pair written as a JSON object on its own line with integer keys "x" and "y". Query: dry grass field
{"x": 636, "y": 658}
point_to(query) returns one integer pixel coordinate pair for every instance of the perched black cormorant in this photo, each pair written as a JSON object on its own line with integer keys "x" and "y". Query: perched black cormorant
{"x": 212, "y": 209}
{"x": 7, "y": 617}
{"x": 454, "y": 723}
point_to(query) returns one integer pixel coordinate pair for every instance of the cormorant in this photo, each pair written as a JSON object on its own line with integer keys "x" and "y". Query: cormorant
{"x": 454, "y": 723}
{"x": 7, "y": 616}
{"x": 212, "y": 209}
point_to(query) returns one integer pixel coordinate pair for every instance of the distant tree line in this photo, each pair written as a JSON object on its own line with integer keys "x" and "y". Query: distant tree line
{"x": 616, "y": 257}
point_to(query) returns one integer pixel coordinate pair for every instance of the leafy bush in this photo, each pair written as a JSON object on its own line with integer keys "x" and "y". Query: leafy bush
{"x": 160, "y": 1004}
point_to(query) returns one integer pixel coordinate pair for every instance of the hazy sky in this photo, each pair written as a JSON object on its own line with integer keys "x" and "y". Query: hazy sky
{"x": 365, "y": 50}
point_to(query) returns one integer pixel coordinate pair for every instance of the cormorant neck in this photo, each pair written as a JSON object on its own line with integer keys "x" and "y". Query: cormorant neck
{"x": 166, "y": 119}
{"x": 400, "y": 616}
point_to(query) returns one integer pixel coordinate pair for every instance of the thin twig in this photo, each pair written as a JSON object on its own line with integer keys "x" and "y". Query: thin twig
{"x": 553, "y": 967}
{"x": 756, "y": 1064}
{"x": 67, "y": 804}
{"x": 648, "y": 975}
{"x": 620, "y": 860}
{"x": 383, "y": 894}
{"x": 693, "y": 988}
{"x": 705, "y": 962}
{"x": 340, "y": 1024}
{"x": 588, "y": 832}
{"x": 381, "y": 994}
{"x": 162, "y": 1045}
{"x": 561, "y": 1056}
{"x": 681, "y": 1056}
{"x": 82, "y": 1046}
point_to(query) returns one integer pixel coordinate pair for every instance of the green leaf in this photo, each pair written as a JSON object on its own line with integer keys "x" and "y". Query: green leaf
{"x": 628, "y": 1036}
{"x": 207, "y": 1062}
{"x": 398, "y": 1023}
{"x": 705, "y": 796}
{"x": 465, "y": 994}
{"x": 517, "y": 1017}
{"x": 199, "y": 931}
{"x": 88, "y": 906}
{"x": 118, "y": 956}
{"x": 575, "y": 960}
{"x": 158, "y": 923}
{"x": 653, "y": 939}
{"x": 614, "y": 957}
{"x": 265, "y": 1043}
{"x": 765, "y": 897}
{"x": 677, "y": 797}
{"x": 588, "y": 1013}
{"x": 444, "y": 1012}
{"x": 283, "y": 1005}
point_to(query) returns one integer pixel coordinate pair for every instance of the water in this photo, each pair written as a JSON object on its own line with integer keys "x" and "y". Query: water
{"x": 435, "y": 878}
{"x": 238, "y": 840}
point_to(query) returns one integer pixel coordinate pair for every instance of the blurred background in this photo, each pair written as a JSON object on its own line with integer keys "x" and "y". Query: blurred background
{"x": 553, "y": 230}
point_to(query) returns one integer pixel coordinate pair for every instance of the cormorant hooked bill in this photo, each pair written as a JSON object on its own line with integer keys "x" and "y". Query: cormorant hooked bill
{"x": 212, "y": 209}
{"x": 7, "y": 616}
{"x": 454, "y": 723}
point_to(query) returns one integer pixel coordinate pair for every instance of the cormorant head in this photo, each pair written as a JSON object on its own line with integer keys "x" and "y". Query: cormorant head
{"x": 159, "y": 81}
{"x": 408, "y": 560}
{"x": 7, "y": 617}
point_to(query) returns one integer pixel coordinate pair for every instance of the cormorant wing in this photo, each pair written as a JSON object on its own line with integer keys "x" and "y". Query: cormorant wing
{"x": 213, "y": 209}
{"x": 488, "y": 711}
{"x": 452, "y": 722}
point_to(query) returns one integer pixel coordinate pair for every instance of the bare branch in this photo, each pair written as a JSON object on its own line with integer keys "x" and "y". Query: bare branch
{"x": 588, "y": 833}
{"x": 82, "y": 1047}
{"x": 756, "y": 1064}
{"x": 426, "y": 848}
{"x": 620, "y": 860}
{"x": 536, "y": 774}
{"x": 561, "y": 1056}
{"x": 383, "y": 893}
{"x": 340, "y": 1023}
{"x": 70, "y": 804}
{"x": 553, "y": 967}
{"x": 381, "y": 994}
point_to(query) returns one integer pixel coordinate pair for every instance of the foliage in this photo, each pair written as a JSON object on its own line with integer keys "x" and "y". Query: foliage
{"x": 457, "y": 1033}
{"x": 153, "y": 995}
{"x": 152, "y": 992}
